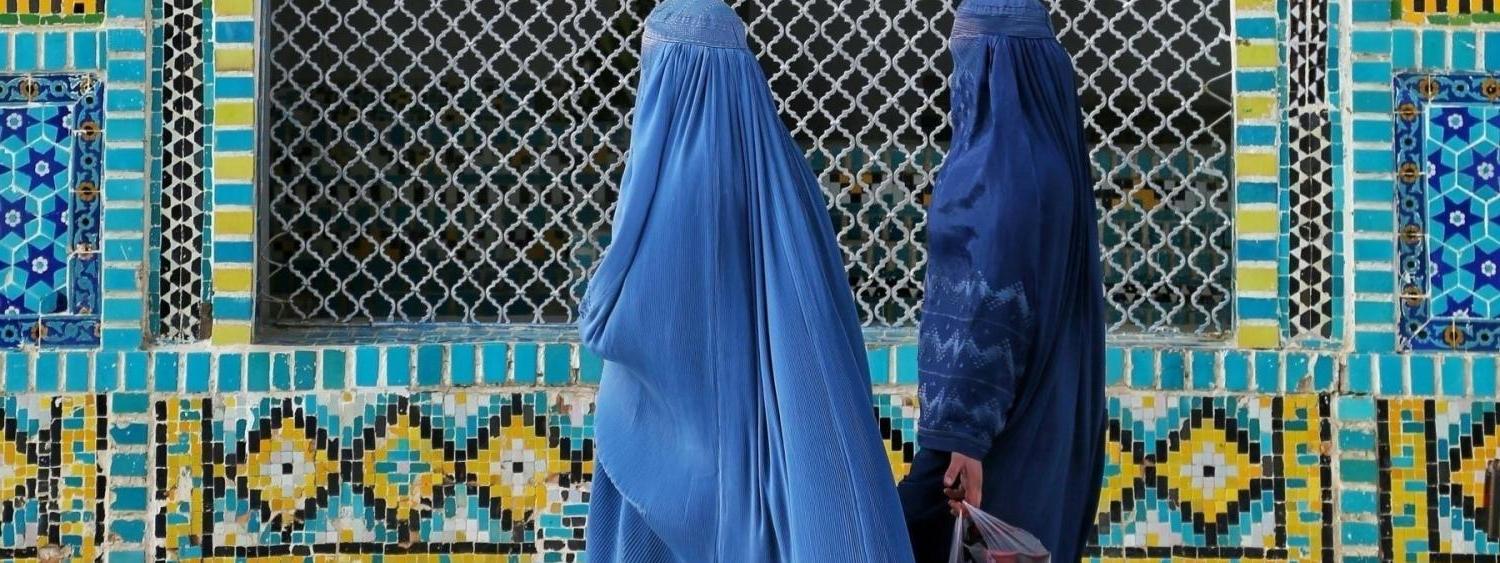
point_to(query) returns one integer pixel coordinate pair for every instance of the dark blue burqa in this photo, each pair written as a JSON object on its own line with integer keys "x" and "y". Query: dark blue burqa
{"x": 734, "y": 419}
{"x": 1012, "y": 336}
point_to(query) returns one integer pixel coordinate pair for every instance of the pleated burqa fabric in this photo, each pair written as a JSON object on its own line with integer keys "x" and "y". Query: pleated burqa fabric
{"x": 734, "y": 419}
{"x": 1011, "y": 357}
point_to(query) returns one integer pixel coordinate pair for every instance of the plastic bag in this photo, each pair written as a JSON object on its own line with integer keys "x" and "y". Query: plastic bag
{"x": 998, "y": 542}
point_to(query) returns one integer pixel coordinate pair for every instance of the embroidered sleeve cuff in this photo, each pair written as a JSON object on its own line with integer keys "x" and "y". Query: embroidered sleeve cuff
{"x": 953, "y": 442}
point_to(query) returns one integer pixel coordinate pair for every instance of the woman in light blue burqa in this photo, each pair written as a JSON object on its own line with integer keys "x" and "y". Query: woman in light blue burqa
{"x": 1011, "y": 358}
{"x": 734, "y": 418}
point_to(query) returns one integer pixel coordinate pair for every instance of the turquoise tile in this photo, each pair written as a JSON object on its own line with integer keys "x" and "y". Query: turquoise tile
{"x": 1492, "y": 51}
{"x": 525, "y": 363}
{"x": 126, "y": 69}
{"x": 1358, "y": 502}
{"x": 1373, "y": 131}
{"x": 1297, "y": 370}
{"x": 461, "y": 364}
{"x": 1356, "y": 440}
{"x": 1356, "y": 409}
{"x": 1464, "y": 51}
{"x": 126, "y": 39}
{"x": 1255, "y": 81}
{"x": 125, "y": 8}
{"x": 1391, "y": 380}
{"x": 1404, "y": 49}
{"x": 430, "y": 365}
{"x": 1483, "y": 375}
{"x": 1114, "y": 366}
{"x": 25, "y": 51}
{"x": 1204, "y": 364}
{"x": 1172, "y": 369}
{"x": 106, "y": 371}
{"x": 879, "y": 360}
{"x": 1359, "y": 378}
{"x": 1372, "y": 11}
{"x": 367, "y": 366}
{"x": 17, "y": 372}
{"x": 1455, "y": 376}
{"x": 1267, "y": 372}
{"x": 1370, "y": 341}
{"x": 494, "y": 364}
{"x": 398, "y": 366}
{"x": 1324, "y": 373}
{"x": 1375, "y": 282}
{"x": 165, "y": 373}
{"x": 258, "y": 372}
{"x": 1434, "y": 48}
{"x": 281, "y": 372}
{"x": 1256, "y": 28}
{"x": 86, "y": 50}
{"x": 305, "y": 370}
{"x": 906, "y": 364}
{"x": 1375, "y": 312}
{"x": 1257, "y": 250}
{"x": 55, "y": 51}
{"x": 1374, "y": 161}
{"x": 198, "y": 374}
{"x": 1143, "y": 368}
{"x": 1371, "y": 42}
{"x": 135, "y": 371}
{"x": 334, "y": 368}
{"x": 1236, "y": 371}
{"x": 46, "y": 379}
{"x": 557, "y": 364}
{"x": 231, "y": 372}
{"x": 590, "y": 367}
{"x": 1423, "y": 376}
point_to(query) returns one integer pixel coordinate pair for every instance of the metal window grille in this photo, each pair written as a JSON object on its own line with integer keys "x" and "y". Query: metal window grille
{"x": 458, "y": 160}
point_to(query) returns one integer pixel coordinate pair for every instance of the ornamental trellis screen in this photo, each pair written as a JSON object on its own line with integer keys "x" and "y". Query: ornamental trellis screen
{"x": 456, "y": 161}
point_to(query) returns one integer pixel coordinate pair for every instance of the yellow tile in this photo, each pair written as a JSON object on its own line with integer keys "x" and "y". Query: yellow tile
{"x": 1254, "y": 278}
{"x": 238, "y": 113}
{"x": 234, "y": 222}
{"x": 1257, "y": 55}
{"x": 230, "y": 59}
{"x": 1257, "y": 221}
{"x": 1254, "y": 5}
{"x": 1259, "y": 337}
{"x": 237, "y": 167}
{"x": 233, "y": 279}
{"x": 233, "y": 8}
{"x": 1255, "y": 106}
{"x": 231, "y": 333}
{"x": 1254, "y": 164}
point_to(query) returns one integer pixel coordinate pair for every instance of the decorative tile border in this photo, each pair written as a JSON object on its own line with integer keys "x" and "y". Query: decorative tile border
{"x": 1448, "y": 12}
{"x": 230, "y": 226}
{"x": 1259, "y": 284}
{"x": 50, "y": 12}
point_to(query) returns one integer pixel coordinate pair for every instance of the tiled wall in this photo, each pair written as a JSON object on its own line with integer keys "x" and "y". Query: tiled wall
{"x": 1362, "y": 445}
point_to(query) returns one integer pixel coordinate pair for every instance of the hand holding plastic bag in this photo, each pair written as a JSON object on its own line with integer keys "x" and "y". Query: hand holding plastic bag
{"x": 998, "y": 542}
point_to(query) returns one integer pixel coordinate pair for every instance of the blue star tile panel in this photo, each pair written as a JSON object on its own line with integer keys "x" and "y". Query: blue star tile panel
{"x": 51, "y": 143}
{"x": 1448, "y": 184}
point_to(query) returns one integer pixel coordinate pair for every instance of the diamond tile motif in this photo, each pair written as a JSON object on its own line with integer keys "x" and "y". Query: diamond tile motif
{"x": 371, "y": 473}
{"x": 1241, "y": 478}
{"x": 183, "y": 173}
{"x": 51, "y": 142}
{"x": 1448, "y": 181}
{"x": 1432, "y": 477}
{"x": 1311, "y": 174}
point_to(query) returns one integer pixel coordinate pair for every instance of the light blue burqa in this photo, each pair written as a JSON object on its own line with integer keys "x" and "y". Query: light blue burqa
{"x": 734, "y": 418}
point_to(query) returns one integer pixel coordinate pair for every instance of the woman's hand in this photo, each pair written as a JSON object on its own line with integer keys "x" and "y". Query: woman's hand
{"x": 963, "y": 482}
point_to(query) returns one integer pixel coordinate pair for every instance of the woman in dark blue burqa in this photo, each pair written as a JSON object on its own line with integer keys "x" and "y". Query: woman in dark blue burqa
{"x": 734, "y": 419}
{"x": 1012, "y": 336}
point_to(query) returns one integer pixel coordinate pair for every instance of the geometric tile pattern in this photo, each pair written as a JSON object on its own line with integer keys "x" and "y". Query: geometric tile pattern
{"x": 51, "y": 142}
{"x": 1432, "y": 459}
{"x": 51, "y": 506}
{"x": 373, "y": 473}
{"x": 1311, "y": 173}
{"x": 1241, "y": 478}
{"x": 182, "y": 197}
{"x": 1455, "y": 12}
{"x": 1448, "y": 183}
